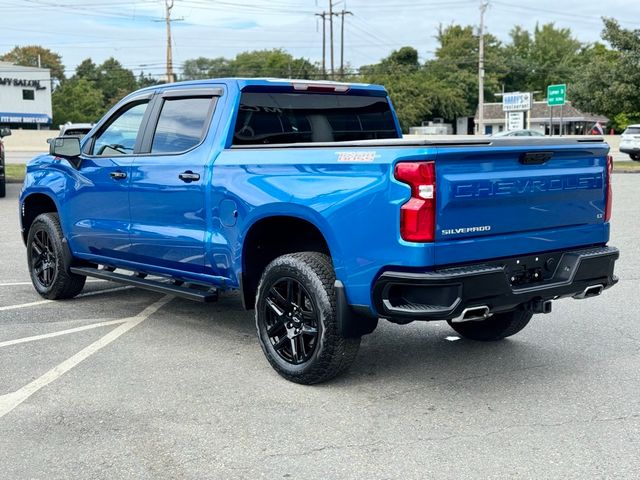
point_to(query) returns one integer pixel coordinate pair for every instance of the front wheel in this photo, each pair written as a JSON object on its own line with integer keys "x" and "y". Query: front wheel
{"x": 296, "y": 319}
{"x": 496, "y": 327}
{"x": 48, "y": 262}
{"x": 635, "y": 156}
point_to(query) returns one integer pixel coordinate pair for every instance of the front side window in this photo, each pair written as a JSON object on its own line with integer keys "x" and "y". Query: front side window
{"x": 119, "y": 138}
{"x": 182, "y": 124}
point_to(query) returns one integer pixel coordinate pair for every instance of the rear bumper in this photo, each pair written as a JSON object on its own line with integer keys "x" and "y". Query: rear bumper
{"x": 501, "y": 285}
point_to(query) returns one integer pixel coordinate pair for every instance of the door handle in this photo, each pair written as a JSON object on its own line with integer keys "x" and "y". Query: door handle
{"x": 189, "y": 176}
{"x": 118, "y": 175}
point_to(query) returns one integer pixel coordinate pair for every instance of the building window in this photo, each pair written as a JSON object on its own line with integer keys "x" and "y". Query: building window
{"x": 28, "y": 94}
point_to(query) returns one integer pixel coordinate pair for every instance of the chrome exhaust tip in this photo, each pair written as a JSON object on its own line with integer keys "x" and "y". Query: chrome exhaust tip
{"x": 590, "y": 291}
{"x": 473, "y": 314}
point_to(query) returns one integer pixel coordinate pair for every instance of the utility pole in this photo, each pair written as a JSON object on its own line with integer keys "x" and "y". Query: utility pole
{"x": 483, "y": 8}
{"x": 331, "y": 35}
{"x": 323, "y": 15}
{"x": 168, "y": 6}
{"x": 342, "y": 14}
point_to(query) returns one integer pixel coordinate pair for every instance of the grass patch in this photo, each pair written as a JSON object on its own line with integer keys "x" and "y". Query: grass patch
{"x": 14, "y": 172}
{"x": 626, "y": 166}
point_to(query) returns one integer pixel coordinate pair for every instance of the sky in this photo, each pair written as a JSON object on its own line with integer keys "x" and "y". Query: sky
{"x": 133, "y": 31}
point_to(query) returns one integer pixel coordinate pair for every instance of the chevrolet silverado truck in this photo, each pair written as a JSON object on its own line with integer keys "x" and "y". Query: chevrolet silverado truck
{"x": 305, "y": 197}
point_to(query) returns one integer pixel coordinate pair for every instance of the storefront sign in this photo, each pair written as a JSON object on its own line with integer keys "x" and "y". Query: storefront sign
{"x": 21, "y": 82}
{"x": 24, "y": 118}
{"x": 516, "y": 102}
{"x": 515, "y": 121}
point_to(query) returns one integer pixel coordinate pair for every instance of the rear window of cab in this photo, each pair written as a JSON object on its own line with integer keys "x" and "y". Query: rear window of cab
{"x": 277, "y": 118}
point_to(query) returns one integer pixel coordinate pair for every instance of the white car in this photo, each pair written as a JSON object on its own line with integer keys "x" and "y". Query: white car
{"x": 75, "y": 129}
{"x": 519, "y": 133}
{"x": 630, "y": 142}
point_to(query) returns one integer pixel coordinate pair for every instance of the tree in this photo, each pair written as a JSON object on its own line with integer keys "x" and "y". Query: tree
{"x": 34, "y": 55}
{"x": 416, "y": 95}
{"x": 593, "y": 87}
{"x": 456, "y": 64}
{"x": 202, "y": 67}
{"x": 115, "y": 81}
{"x": 147, "y": 80}
{"x": 257, "y": 63}
{"x": 272, "y": 63}
{"x": 87, "y": 70}
{"x": 77, "y": 101}
{"x": 608, "y": 81}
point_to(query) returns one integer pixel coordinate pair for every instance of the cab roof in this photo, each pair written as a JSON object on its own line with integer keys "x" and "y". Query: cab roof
{"x": 279, "y": 83}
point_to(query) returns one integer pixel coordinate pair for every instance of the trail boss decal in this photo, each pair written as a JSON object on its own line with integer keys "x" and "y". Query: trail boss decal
{"x": 356, "y": 156}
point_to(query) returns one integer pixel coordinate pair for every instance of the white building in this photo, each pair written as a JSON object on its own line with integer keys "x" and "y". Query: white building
{"x": 25, "y": 96}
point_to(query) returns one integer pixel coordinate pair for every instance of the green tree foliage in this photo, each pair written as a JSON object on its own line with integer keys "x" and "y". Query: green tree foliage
{"x": 257, "y": 63}
{"x": 456, "y": 64}
{"x": 202, "y": 67}
{"x": 609, "y": 79}
{"x": 551, "y": 55}
{"x": 77, "y": 100}
{"x": 593, "y": 87}
{"x": 147, "y": 80}
{"x": 111, "y": 79}
{"x": 415, "y": 93}
{"x": 115, "y": 81}
{"x": 28, "y": 57}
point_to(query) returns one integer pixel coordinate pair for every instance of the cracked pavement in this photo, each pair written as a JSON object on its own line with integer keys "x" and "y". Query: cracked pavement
{"x": 188, "y": 394}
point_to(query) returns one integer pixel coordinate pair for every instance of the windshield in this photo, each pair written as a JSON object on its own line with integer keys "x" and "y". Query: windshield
{"x": 632, "y": 131}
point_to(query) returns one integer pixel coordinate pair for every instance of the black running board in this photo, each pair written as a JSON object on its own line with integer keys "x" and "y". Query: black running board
{"x": 199, "y": 293}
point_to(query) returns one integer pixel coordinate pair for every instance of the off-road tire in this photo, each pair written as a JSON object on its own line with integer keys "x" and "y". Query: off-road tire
{"x": 496, "y": 327}
{"x": 333, "y": 353}
{"x": 62, "y": 283}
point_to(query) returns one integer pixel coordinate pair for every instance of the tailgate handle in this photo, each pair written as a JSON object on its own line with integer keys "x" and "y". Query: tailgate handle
{"x": 535, "y": 158}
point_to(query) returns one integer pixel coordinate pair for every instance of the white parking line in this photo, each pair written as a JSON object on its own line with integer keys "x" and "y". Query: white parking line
{"x": 33, "y": 338}
{"x": 43, "y": 302}
{"x": 24, "y": 305}
{"x": 10, "y": 401}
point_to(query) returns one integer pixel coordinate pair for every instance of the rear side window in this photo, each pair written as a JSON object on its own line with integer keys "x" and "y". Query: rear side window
{"x": 268, "y": 118}
{"x": 182, "y": 124}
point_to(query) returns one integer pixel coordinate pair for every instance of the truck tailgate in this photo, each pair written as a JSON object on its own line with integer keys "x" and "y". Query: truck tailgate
{"x": 502, "y": 193}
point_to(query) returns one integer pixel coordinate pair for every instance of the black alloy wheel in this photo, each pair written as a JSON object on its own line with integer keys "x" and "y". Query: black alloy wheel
{"x": 44, "y": 264}
{"x": 291, "y": 321}
{"x": 49, "y": 260}
{"x": 297, "y": 322}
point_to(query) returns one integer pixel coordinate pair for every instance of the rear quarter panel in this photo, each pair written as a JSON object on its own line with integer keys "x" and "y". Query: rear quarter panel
{"x": 355, "y": 205}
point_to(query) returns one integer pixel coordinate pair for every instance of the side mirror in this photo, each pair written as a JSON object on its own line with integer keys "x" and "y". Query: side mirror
{"x": 65, "y": 147}
{"x": 5, "y": 132}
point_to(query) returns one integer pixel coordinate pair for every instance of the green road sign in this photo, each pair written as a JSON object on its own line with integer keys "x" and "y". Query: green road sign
{"x": 556, "y": 94}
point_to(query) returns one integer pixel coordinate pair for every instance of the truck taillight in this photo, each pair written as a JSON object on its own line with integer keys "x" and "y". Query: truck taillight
{"x": 607, "y": 210}
{"x": 418, "y": 215}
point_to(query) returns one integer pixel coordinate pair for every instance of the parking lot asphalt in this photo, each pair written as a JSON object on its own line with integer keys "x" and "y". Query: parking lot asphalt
{"x": 123, "y": 383}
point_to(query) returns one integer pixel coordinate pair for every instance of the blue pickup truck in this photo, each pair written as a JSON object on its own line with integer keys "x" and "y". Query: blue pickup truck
{"x": 305, "y": 197}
